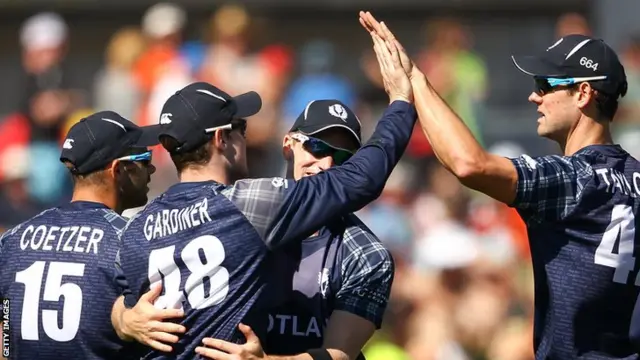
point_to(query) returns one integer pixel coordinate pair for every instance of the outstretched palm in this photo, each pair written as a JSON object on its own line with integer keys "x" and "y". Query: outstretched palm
{"x": 380, "y": 28}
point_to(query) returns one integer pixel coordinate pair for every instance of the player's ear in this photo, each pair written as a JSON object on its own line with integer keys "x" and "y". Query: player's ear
{"x": 115, "y": 170}
{"x": 287, "y": 147}
{"x": 219, "y": 140}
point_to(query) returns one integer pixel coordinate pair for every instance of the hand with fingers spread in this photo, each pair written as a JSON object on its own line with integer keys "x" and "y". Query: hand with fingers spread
{"x": 224, "y": 350}
{"x": 146, "y": 324}
{"x": 396, "y": 81}
{"x": 380, "y": 28}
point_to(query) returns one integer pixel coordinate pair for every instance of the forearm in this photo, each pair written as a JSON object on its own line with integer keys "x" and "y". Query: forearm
{"x": 451, "y": 140}
{"x": 117, "y": 316}
{"x": 335, "y": 355}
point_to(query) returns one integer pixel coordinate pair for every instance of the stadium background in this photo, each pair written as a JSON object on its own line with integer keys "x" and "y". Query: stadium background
{"x": 463, "y": 285}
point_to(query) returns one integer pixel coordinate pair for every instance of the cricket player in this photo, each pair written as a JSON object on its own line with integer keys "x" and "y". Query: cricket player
{"x": 342, "y": 275}
{"x": 211, "y": 244}
{"x": 579, "y": 207}
{"x": 57, "y": 268}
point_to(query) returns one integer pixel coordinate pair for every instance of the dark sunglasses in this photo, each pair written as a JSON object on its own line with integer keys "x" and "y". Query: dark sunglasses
{"x": 546, "y": 85}
{"x": 319, "y": 149}
{"x": 235, "y": 124}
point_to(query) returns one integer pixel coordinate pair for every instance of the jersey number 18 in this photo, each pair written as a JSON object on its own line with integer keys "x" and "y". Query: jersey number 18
{"x": 202, "y": 257}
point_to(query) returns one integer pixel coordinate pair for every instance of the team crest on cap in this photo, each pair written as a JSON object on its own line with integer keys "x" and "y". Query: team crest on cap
{"x": 338, "y": 111}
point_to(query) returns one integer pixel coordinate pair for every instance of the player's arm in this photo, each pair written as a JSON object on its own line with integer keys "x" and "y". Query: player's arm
{"x": 457, "y": 149}
{"x": 143, "y": 322}
{"x": 252, "y": 350}
{"x": 452, "y": 142}
{"x": 367, "y": 272}
{"x": 283, "y": 211}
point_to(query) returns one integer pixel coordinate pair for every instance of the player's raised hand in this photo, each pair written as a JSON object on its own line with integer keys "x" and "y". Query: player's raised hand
{"x": 144, "y": 322}
{"x": 396, "y": 81}
{"x": 224, "y": 350}
{"x": 369, "y": 22}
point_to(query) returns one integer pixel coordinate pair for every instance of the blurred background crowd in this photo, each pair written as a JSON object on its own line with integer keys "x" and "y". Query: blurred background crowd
{"x": 463, "y": 286}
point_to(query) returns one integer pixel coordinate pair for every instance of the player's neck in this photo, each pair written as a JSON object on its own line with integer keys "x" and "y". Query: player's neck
{"x": 97, "y": 195}
{"x": 587, "y": 132}
{"x": 200, "y": 174}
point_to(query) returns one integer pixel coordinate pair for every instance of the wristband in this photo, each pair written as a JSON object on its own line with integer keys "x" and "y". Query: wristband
{"x": 319, "y": 354}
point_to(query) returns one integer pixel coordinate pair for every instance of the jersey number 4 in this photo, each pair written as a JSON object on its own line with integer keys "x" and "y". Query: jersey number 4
{"x": 622, "y": 226}
{"x": 53, "y": 290}
{"x": 202, "y": 257}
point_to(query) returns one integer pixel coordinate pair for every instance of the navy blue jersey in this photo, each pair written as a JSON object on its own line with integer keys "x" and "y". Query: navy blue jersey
{"x": 57, "y": 272}
{"x": 344, "y": 267}
{"x": 210, "y": 244}
{"x": 580, "y": 214}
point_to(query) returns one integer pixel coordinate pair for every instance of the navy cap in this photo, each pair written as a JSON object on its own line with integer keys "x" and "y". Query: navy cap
{"x": 97, "y": 140}
{"x": 578, "y": 56}
{"x": 190, "y": 115}
{"x": 321, "y": 115}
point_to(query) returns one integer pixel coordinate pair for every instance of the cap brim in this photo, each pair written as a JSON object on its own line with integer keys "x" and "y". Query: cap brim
{"x": 535, "y": 66}
{"x": 312, "y": 130}
{"x": 248, "y": 104}
{"x": 150, "y": 135}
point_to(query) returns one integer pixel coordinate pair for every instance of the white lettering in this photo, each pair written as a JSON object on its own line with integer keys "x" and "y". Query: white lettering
{"x": 313, "y": 328}
{"x": 171, "y": 221}
{"x": 603, "y": 173}
{"x": 192, "y": 212}
{"x": 81, "y": 238}
{"x": 50, "y": 236}
{"x": 40, "y": 229}
{"x": 148, "y": 228}
{"x": 42, "y": 237}
{"x": 23, "y": 243}
{"x": 300, "y": 325}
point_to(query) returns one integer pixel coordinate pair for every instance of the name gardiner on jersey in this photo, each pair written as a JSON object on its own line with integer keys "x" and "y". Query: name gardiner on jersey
{"x": 168, "y": 222}
{"x": 616, "y": 181}
{"x": 6, "y": 328}
{"x": 80, "y": 239}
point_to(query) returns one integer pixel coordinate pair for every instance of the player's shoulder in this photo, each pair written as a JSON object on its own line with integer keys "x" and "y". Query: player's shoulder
{"x": 360, "y": 241}
{"x": 4, "y": 237}
{"x": 37, "y": 219}
{"x": 258, "y": 184}
{"x": 580, "y": 163}
{"x": 116, "y": 221}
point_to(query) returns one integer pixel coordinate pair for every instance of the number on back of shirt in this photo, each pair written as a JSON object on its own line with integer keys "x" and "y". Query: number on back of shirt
{"x": 621, "y": 230}
{"x": 54, "y": 290}
{"x": 202, "y": 257}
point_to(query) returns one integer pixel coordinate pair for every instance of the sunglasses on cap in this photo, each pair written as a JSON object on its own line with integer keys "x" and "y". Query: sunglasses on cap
{"x": 320, "y": 148}
{"x": 145, "y": 156}
{"x": 544, "y": 85}
{"x": 235, "y": 124}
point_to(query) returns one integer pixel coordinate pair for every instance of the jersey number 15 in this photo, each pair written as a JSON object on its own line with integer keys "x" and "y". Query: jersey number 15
{"x": 54, "y": 288}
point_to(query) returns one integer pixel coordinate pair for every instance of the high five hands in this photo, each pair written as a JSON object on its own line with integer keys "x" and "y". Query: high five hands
{"x": 392, "y": 57}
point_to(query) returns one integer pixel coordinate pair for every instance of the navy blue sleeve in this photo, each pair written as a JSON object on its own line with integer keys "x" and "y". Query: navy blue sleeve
{"x": 634, "y": 329}
{"x": 283, "y": 211}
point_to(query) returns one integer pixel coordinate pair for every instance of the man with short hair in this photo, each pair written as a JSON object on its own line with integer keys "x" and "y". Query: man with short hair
{"x": 210, "y": 244}
{"x": 579, "y": 207}
{"x": 342, "y": 275}
{"x": 57, "y": 267}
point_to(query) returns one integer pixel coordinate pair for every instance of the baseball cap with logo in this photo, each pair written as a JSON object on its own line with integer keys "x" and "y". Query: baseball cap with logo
{"x": 574, "y": 59}
{"x": 100, "y": 138}
{"x": 194, "y": 113}
{"x": 320, "y": 115}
